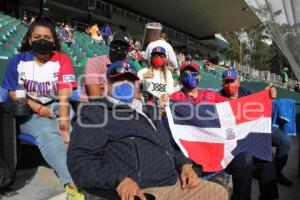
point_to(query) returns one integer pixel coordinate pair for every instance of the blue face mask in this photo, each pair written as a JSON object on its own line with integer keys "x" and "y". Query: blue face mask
{"x": 124, "y": 92}
{"x": 189, "y": 81}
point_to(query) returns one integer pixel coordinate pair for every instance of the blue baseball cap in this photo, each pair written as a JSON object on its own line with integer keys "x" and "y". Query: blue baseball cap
{"x": 230, "y": 74}
{"x": 158, "y": 49}
{"x": 121, "y": 68}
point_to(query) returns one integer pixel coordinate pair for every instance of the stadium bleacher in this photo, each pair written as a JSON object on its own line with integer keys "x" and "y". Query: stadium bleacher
{"x": 12, "y": 33}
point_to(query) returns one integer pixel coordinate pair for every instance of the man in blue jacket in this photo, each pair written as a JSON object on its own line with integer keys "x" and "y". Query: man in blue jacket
{"x": 282, "y": 142}
{"x": 119, "y": 145}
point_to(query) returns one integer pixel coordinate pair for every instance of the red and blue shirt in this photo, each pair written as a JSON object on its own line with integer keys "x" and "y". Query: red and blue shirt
{"x": 42, "y": 83}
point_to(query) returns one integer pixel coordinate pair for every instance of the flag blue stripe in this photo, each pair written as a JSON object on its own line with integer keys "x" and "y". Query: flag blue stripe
{"x": 257, "y": 144}
{"x": 198, "y": 115}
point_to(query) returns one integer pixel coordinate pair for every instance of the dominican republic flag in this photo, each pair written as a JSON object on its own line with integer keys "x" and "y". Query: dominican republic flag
{"x": 212, "y": 134}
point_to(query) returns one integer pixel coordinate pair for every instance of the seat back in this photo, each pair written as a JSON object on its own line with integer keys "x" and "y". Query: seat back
{"x": 4, "y": 95}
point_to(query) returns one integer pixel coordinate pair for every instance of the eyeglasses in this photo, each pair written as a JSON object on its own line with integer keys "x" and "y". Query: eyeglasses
{"x": 188, "y": 72}
{"x": 123, "y": 69}
{"x": 229, "y": 81}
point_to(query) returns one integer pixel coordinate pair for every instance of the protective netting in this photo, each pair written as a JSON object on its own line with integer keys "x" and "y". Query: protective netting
{"x": 283, "y": 19}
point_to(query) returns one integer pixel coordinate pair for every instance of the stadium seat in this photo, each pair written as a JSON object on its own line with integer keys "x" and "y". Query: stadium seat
{"x": 23, "y": 137}
{"x": 3, "y": 95}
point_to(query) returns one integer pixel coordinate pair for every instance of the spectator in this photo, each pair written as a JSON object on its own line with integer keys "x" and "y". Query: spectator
{"x": 161, "y": 42}
{"x": 247, "y": 77}
{"x": 131, "y": 157}
{"x": 68, "y": 36}
{"x": 96, "y": 67}
{"x": 98, "y": 38}
{"x": 231, "y": 89}
{"x": 241, "y": 166}
{"x": 180, "y": 58}
{"x": 47, "y": 76}
{"x": 157, "y": 80}
{"x": 297, "y": 87}
{"x": 32, "y": 19}
{"x": 94, "y": 30}
{"x": 87, "y": 30}
{"x": 25, "y": 20}
{"x": 106, "y": 33}
{"x": 284, "y": 78}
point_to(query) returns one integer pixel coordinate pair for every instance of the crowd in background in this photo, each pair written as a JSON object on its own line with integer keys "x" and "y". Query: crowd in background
{"x": 161, "y": 73}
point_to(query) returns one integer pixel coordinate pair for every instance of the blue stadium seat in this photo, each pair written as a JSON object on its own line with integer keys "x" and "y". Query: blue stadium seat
{"x": 23, "y": 137}
{"x": 3, "y": 95}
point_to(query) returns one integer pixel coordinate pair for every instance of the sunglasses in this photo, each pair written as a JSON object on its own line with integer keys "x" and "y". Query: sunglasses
{"x": 123, "y": 69}
{"x": 116, "y": 47}
{"x": 229, "y": 81}
{"x": 158, "y": 55}
{"x": 188, "y": 72}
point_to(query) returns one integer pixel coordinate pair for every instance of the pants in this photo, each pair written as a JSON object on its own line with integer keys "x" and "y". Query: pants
{"x": 47, "y": 135}
{"x": 241, "y": 168}
{"x": 281, "y": 141}
{"x": 105, "y": 37}
{"x": 205, "y": 190}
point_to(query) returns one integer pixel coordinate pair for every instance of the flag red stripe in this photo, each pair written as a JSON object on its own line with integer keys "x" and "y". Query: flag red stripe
{"x": 209, "y": 155}
{"x": 252, "y": 107}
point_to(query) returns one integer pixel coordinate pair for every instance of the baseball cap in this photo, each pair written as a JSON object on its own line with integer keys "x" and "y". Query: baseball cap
{"x": 122, "y": 37}
{"x": 230, "y": 74}
{"x": 120, "y": 68}
{"x": 189, "y": 64}
{"x": 158, "y": 49}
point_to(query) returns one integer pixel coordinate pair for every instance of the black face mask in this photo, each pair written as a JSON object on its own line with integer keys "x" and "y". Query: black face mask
{"x": 117, "y": 55}
{"x": 42, "y": 47}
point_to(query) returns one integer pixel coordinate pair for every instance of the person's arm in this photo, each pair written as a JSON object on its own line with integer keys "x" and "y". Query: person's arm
{"x": 93, "y": 80}
{"x": 66, "y": 83}
{"x": 172, "y": 57}
{"x": 64, "y": 114}
{"x": 85, "y": 153}
{"x": 170, "y": 83}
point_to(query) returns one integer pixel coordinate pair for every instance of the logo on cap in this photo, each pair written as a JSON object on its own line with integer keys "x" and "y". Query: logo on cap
{"x": 125, "y": 64}
{"x": 126, "y": 38}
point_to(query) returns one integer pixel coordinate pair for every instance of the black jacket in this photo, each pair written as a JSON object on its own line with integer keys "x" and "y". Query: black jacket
{"x": 100, "y": 157}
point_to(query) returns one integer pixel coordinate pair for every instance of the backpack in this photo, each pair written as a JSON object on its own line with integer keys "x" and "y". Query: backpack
{"x": 6, "y": 176}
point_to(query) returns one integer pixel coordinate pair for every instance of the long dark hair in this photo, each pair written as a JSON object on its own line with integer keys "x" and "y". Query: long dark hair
{"x": 40, "y": 21}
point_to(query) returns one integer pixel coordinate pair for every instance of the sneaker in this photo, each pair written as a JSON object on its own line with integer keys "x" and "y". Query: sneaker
{"x": 74, "y": 193}
{"x": 281, "y": 179}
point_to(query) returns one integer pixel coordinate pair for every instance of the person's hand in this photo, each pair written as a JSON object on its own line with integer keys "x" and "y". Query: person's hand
{"x": 44, "y": 111}
{"x": 188, "y": 177}
{"x": 148, "y": 74}
{"x": 102, "y": 88}
{"x": 64, "y": 132}
{"x": 163, "y": 100}
{"x": 128, "y": 188}
{"x": 273, "y": 91}
{"x": 176, "y": 82}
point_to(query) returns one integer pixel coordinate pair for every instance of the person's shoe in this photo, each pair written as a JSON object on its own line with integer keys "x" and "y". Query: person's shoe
{"x": 74, "y": 193}
{"x": 78, "y": 195}
{"x": 281, "y": 179}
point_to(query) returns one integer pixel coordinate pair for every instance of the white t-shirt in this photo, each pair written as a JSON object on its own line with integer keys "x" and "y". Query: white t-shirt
{"x": 157, "y": 84}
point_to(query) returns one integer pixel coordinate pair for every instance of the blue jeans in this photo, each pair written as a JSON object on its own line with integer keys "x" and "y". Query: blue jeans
{"x": 281, "y": 141}
{"x": 47, "y": 134}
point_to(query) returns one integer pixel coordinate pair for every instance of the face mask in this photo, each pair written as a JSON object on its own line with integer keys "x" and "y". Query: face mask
{"x": 117, "y": 55}
{"x": 158, "y": 62}
{"x": 42, "y": 47}
{"x": 231, "y": 90}
{"x": 190, "y": 81}
{"x": 124, "y": 92}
